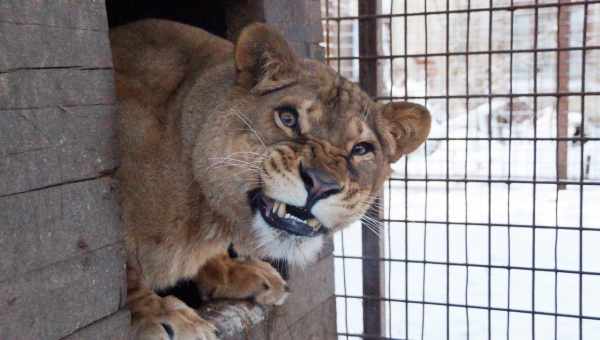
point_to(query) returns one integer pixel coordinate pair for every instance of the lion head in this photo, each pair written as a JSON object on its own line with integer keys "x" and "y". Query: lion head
{"x": 296, "y": 152}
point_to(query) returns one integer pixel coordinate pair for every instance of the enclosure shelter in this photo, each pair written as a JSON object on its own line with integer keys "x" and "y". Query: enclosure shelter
{"x": 62, "y": 260}
{"x": 491, "y": 230}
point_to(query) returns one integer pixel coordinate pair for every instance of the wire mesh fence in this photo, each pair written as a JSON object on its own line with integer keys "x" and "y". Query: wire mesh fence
{"x": 492, "y": 229}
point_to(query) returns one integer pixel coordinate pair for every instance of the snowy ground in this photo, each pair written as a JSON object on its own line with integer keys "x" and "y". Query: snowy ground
{"x": 554, "y": 248}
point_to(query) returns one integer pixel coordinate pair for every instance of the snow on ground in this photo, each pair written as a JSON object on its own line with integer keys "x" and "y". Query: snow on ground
{"x": 512, "y": 206}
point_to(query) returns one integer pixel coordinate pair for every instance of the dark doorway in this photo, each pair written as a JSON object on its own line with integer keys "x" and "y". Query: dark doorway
{"x": 208, "y": 15}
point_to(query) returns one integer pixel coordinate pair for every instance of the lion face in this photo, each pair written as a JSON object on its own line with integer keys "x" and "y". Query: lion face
{"x": 305, "y": 151}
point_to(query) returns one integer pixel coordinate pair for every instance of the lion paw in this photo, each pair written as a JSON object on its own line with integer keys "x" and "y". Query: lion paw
{"x": 242, "y": 279}
{"x": 176, "y": 321}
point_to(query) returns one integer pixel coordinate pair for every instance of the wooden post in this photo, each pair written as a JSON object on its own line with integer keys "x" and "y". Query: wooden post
{"x": 562, "y": 87}
{"x": 373, "y": 309}
{"x": 62, "y": 259}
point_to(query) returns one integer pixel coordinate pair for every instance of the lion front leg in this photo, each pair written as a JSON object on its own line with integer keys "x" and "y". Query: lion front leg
{"x": 162, "y": 318}
{"x": 241, "y": 278}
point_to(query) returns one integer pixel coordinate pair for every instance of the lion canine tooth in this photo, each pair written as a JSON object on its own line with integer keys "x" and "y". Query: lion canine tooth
{"x": 275, "y": 207}
{"x": 313, "y": 223}
{"x": 281, "y": 209}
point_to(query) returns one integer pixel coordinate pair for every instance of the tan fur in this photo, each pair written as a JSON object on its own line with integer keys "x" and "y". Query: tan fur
{"x": 198, "y": 130}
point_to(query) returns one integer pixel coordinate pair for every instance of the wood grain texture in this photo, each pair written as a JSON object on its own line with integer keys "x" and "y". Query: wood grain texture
{"x": 62, "y": 270}
{"x": 55, "y": 301}
{"x": 44, "y": 147}
{"x": 112, "y": 327}
{"x": 76, "y": 14}
{"x": 27, "y": 46}
{"x": 71, "y": 86}
{"x": 47, "y": 226}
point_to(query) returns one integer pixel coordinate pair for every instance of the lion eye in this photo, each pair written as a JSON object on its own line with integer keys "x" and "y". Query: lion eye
{"x": 288, "y": 116}
{"x": 362, "y": 149}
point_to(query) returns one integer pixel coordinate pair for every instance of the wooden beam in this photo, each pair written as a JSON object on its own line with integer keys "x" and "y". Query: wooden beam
{"x": 52, "y": 225}
{"x": 81, "y": 14}
{"x": 28, "y": 46}
{"x": 70, "y": 86}
{"x": 113, "y": 327}
{"x": 564, "y": 32}
{"x": 49, "y": 146}
{"x": 57, "y": 300}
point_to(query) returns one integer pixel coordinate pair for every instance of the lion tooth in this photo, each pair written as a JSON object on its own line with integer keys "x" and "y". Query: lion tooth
{"x": 281, "y": 210}
{"x": 275, "y": 207}
{"x": 313, "y": 223}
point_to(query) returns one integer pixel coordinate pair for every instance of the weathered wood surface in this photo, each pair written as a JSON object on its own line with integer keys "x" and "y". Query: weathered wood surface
{"x": 317, "y": 324}
{"x": 233, "y": 317}
{"x": 112, "y": 327}
{"x": 78, "y": 14}
{"x": 308, "y": 313}
{"x": 46, "y": 226}
{"x": 55, "y": 301}
{"x": 44, "y": 147}
{"x": 70, "y": 86}
{"x": 28, "y": 46}
{"x": 62, "y": 266}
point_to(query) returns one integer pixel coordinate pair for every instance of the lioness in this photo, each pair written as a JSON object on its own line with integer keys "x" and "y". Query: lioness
{"x": 241, "y": 144}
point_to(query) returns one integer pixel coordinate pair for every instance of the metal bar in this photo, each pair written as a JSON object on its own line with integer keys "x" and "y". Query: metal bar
{"x": 373, "y": 311}
{"x": 581, "y": 169}
{"x": 502, "y": 225}
{"x": 414, "y": 307}
{"x": 549, "y": 139}
{"x": 476, "y": 265}
{"x": 513, "y": 310}
{"x": 495, "y": 95}
{"x": 535, "y": 162}
{"x": 503, "y": 181}
{"x": 424, "y": 273}
{"x": 447, "y": 100}
{"x": 511, "y": 8}
{"x": 510, "y": 130}
{"x": 339, "y": 69}
{"x": 489, "y": 127}
{"x": 368, "y": 336}
{"x": 565, "y": 48}
{"x": 388, "y": 230}
{"x": 466, "y": 171}
{"x": 406, "y": 159}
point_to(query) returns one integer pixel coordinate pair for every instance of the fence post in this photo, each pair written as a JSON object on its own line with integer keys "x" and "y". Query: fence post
{"x": 373, "y": 275}
{"x": 564, "y": 31}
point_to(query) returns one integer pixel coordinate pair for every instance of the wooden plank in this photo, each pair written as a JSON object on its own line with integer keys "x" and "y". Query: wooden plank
{"x": 319, "y": 323}
{"x": 26, "y": 46}
{"x": 43, "y": 147}
{"x": 113, "y": 327}
{"x": 45, "y": 226}
{"x": 51, "y": 87}
{"x": 564, "y": 66}
{"x": 79, "y": 14}
{"x": 310, "y": 287}
{"x": 54, "y": 301}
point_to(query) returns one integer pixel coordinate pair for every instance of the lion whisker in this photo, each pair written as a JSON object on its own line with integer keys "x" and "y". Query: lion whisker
{"x": 246, "y": 121}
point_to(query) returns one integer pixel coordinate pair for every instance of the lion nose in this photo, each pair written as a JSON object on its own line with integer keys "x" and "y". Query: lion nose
{"x": 319, "y": 184}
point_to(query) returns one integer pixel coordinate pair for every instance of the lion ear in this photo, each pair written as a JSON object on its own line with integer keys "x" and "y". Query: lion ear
{"x": 404, "y": 127}
{"x": 263, "y": 59}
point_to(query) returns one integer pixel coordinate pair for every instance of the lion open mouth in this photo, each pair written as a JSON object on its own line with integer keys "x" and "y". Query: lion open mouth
{"x": 294, "y": 220}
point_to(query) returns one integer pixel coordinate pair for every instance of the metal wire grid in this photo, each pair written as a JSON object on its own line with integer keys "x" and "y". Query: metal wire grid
{"x": 341, "y": 18}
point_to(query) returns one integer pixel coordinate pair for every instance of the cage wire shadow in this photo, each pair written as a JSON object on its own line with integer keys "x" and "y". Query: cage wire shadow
{"x": 491, "y": 230}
